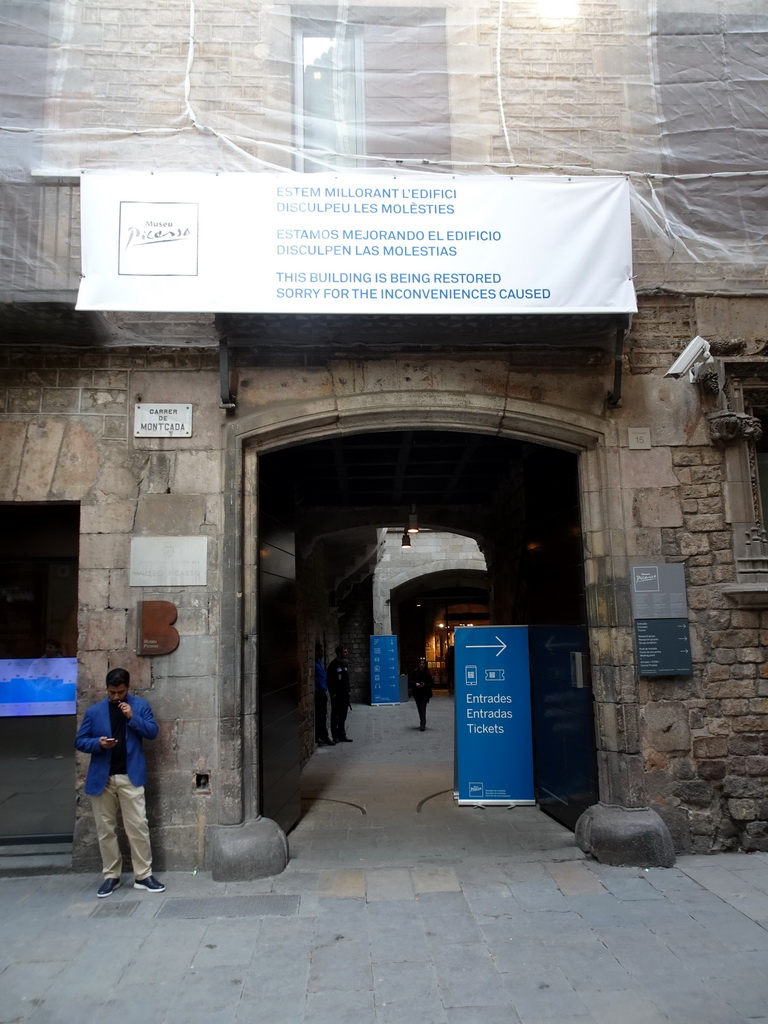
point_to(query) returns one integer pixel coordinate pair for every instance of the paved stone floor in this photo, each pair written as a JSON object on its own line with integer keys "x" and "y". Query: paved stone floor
{"x": 398, "y": 908}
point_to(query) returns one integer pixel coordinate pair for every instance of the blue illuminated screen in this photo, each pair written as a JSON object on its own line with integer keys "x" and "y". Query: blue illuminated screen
{"x": 37, "y": 686}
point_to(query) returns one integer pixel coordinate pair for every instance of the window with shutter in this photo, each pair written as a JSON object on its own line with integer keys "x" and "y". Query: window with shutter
{"x": 373, "y": 89}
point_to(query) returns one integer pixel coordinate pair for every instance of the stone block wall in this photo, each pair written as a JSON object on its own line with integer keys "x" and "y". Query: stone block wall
{"x": 355, "y": 629}
{"x": 67, "y": 423}
{"x": 430, "y": 552}
{"x": 695, "y": 748}
{"x": 704, "y": 737}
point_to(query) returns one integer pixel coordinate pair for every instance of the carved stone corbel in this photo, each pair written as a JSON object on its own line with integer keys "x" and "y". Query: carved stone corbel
{"x": 729, "y": 427}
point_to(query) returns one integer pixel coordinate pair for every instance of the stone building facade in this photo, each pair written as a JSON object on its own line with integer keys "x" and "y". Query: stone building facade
{"x": 665, "y": 470}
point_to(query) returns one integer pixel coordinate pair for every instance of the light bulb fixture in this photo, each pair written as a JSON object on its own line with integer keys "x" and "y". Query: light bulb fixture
{"x": 406, "y": 541}
{"x": 413, "y": 526}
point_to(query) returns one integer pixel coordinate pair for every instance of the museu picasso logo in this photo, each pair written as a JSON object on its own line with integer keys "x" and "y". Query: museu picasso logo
{"x": 646, "y": 578}
{"x": 158, "y": 239}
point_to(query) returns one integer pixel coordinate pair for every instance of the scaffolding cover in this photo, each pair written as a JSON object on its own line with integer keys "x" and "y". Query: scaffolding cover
{"x": 669, "y": 94}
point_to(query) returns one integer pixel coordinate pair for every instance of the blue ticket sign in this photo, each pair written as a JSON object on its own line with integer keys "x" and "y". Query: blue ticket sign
{"x": 494, "y": 744}
{"x": 385, "y": 682}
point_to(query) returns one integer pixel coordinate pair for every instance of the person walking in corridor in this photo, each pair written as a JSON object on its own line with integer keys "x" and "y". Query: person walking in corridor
{"x": 420, "y": 681}
{"x": 339, "y": 690}
{"x": 113, "y": 732}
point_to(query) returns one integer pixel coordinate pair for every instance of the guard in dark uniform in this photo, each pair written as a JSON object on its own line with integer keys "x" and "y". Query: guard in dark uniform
{"x": 338, "y": 688}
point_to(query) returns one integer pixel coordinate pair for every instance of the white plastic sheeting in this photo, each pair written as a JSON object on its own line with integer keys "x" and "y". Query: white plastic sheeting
{"x": 671, "y": 94}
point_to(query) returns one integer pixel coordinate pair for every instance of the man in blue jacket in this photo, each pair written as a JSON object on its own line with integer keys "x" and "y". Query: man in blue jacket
{"x": 321, "y": 701}
{"x": 112, "y": 733}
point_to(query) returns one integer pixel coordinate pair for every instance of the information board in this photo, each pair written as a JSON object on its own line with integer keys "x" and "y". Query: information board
{"x": 494, "y": 745}
{"x": 663, "y": 647}
{"x": 660, "y": 612}
{"x": 385, "y": 681}
{"x": 658, "y": 591}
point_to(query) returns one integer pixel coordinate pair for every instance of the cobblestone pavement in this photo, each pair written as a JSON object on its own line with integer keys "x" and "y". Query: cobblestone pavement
{"x": 398, "y": 907}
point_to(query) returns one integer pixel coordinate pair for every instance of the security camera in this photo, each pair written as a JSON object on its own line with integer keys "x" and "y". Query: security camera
{"x": 696, "y": 351}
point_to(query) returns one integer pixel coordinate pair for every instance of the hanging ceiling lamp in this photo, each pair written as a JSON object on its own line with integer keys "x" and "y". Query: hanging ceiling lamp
{"x": 413, "y": 526}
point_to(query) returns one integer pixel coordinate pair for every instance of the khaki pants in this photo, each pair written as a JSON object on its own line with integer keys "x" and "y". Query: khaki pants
{"x": 121, "y": 793}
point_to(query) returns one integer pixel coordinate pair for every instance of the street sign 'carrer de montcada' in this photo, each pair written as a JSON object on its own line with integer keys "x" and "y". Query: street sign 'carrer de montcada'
{"x": 153, "y": 419}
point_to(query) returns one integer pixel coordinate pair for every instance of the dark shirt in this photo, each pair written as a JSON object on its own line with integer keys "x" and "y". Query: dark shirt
{"x": 338, "y": 679}
{"x": 421, "y": 681}
{"x": 119, "y": 765}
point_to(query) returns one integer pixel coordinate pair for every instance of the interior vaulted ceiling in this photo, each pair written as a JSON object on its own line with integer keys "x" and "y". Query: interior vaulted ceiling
{"x": 393, "y": 468}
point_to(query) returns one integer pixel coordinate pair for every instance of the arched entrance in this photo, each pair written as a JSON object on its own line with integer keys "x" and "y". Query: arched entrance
{"x": 274, "y": 429}
{"x": 519, "y": 500}
{"x": 425, "y": 607}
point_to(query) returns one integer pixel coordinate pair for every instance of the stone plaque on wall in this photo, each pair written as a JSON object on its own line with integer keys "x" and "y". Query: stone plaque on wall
{"x": 169, "y": 562}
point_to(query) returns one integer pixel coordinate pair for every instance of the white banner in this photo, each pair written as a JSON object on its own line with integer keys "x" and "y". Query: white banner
{"x": 352, "y": 243}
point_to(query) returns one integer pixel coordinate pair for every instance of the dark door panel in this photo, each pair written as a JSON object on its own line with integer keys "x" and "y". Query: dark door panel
{"x": 563, "y": 722}
{"x": 278, "y": 683}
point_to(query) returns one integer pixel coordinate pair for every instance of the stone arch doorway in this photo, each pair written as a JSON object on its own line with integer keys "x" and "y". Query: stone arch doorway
{"x": 275, "y": 428}
{"x": 423, "y": 605}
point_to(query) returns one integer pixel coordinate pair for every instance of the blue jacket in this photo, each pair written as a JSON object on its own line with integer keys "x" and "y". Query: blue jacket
{"x": 321, "y": 683}
{"x": 96, "y": 724}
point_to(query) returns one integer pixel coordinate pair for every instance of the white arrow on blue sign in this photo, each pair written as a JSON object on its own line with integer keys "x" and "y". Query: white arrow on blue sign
{"x": 494, "y": 743}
